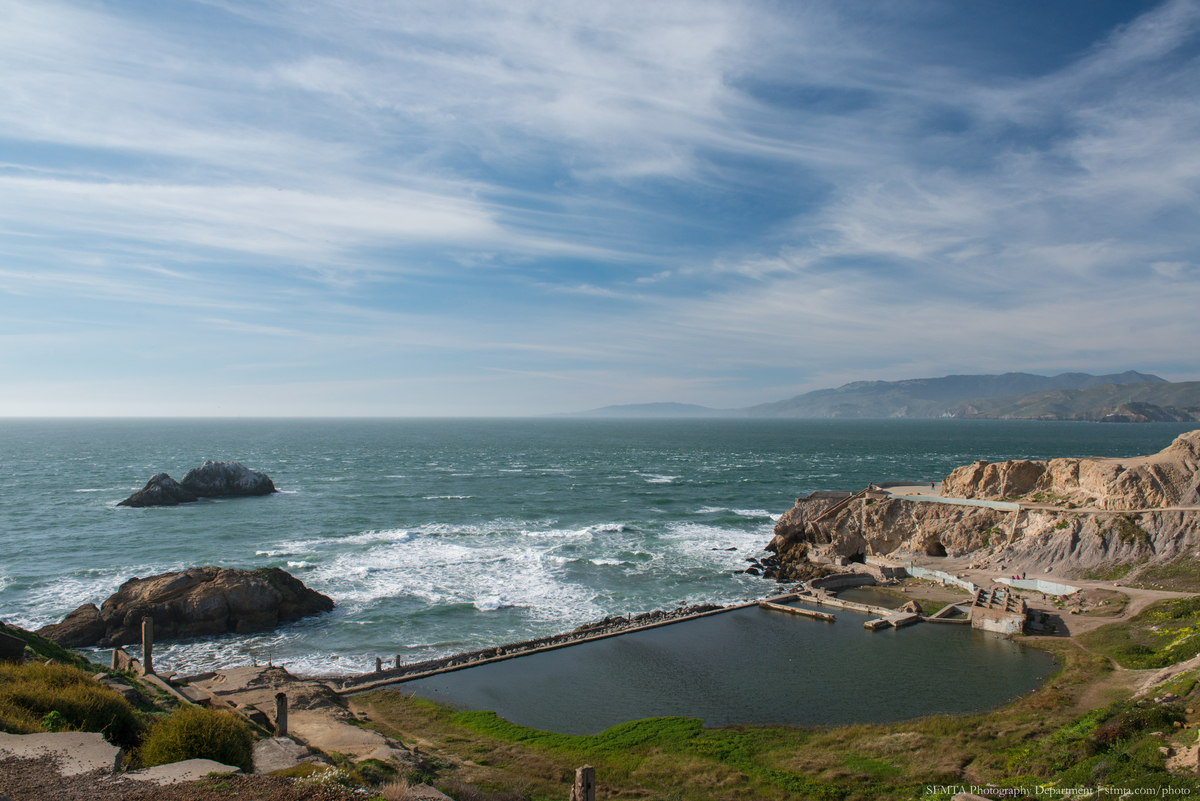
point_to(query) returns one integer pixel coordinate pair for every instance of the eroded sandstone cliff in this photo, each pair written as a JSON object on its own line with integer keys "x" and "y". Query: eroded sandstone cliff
{"x": 1168, "y": 478}
{"x": 1077, "y": 516}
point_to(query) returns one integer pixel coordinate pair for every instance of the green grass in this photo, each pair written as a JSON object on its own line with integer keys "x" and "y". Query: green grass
{"x": 1112, "y": 572}
{"x": 191, "y": 732}
{"x": 1163, "y": 634}
{"x": 1130, "y": 532}
{"x": 48, "y": 649}
{"x": 31, "y": 693}
{"x": 1181, "y": 574}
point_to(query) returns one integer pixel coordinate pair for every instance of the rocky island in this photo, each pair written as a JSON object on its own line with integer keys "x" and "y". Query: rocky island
{"x": 210, "y": 480}
{"x": 199, "y": 602}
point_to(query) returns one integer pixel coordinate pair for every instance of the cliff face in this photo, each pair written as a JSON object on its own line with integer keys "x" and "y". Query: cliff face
{"x": 869, "y": 527}
{"x": 1170, "y": 477}
{"x": 1066, "y": 540}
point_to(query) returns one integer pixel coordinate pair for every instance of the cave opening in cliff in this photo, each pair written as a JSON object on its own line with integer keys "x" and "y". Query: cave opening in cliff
{"x": 935, "y": 548}
{"x": 858, "y": 558}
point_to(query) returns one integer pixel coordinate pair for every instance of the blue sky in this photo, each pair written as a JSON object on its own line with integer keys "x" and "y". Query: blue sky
{"x": 407, "y": 208}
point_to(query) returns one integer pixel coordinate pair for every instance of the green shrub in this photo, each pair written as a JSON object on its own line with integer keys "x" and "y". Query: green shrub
{"x": 32, "y": 693}
{"x": 194, "y": 733}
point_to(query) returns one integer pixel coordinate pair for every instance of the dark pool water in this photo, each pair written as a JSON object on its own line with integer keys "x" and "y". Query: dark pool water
{"x": 750, "y": 666}
{"x": 872, "y": 597}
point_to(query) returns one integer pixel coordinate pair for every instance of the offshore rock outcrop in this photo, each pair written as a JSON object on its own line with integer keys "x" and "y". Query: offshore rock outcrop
{"x": 210, "y": 480}
{"x": 1076, "y": 516}
{"x": 222, "y": 479}
{"x": 160, "y": 490}
{"x": 198, "y": 602}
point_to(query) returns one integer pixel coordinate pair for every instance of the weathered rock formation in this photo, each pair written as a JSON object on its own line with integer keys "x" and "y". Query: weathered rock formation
{"x": 1170, "y": 477}
{"x": 221, "y": 479}
{"x": 815, "y": 532}
{"x": 160, "y": 490}
{"x": 198, "y": 602}
{"x": 1129, "y": 523}
{"x": 210, "y": 480}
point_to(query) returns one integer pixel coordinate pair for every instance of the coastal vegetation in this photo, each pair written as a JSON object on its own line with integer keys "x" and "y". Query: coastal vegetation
{"x": 1163, "y": 634}
{"x": 191, "y": 732}
{"x": 38, "y": 697}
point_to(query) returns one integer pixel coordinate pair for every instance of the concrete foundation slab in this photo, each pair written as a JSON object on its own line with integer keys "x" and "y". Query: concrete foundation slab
{"x": 279, "y": 753}
{"x": 75, "y": 751}
{"x": 187, "y": 771}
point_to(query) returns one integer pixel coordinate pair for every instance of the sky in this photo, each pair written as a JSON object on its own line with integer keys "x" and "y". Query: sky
{"x": 310, "y": 207}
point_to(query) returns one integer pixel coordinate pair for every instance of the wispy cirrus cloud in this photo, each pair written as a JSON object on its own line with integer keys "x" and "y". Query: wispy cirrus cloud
{"x": 719, "y": 199}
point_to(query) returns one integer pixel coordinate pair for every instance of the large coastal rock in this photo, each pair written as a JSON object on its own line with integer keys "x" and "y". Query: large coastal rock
{"x": 198, "y": 602}
{"x": 221, "y": 479}
{"x": 210, "y": 480}
{"x": 1130, "y": 527}
{"x": 1170, "y": 477}
{"x": 160, "y": 490}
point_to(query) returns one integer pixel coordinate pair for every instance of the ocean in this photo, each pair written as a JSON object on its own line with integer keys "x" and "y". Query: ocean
{"x": 435, "y": 536}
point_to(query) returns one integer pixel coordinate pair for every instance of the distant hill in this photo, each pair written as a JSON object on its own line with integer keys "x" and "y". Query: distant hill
{"x": 929, "y": 397}
{"x": 1117, "y": 403}
{"x": 1068, "y": 396}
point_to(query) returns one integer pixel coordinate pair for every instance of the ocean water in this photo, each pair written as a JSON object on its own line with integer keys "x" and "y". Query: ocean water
{"x": 437, "y": 536}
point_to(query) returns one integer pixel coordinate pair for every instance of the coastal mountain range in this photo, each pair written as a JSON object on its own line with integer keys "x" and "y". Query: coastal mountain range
{"x": 1122, "y": 397}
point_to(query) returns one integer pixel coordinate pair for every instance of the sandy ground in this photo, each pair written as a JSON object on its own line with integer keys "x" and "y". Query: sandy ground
{"x": 39, "y": 780}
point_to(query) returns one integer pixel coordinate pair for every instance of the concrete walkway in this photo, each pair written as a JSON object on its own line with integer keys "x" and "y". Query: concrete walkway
{"x": 317, "y": 716}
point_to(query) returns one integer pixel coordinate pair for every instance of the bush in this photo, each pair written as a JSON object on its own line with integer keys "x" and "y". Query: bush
{"x": 195, "y": 733}
{"x": 30, "y": 693}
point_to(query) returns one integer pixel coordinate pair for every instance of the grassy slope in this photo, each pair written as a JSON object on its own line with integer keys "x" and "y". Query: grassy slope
{"x": 1163, "y": 634}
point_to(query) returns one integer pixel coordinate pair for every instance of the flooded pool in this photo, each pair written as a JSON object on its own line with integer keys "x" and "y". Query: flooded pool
{"x": 750, "y": 666}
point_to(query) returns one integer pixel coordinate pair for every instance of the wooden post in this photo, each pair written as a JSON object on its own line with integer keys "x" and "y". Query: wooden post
{"x": 148, "y": 645}
{"x": 116, "y": 659}
{"x": 281, "y": 714}
{"x": 378, "y": 664}
{"x": 585, "y": 784}
{"x": 399, "y": 662}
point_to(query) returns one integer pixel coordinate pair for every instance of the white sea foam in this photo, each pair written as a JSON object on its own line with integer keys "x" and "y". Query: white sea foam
{"x": 438, "y": 572}
{"x": 490, "y": 603}
{"x": 606, "y": 561}
{"x": 712, "y": 510}
{"x": 395, "y": 535}
{"x": 446, "y": 497}
{"x": 301, "y": 564}
{"x": 583, "y": 533}
{"x": 50, "y": 601}
{"x": 654, "y": 478}
{"x": 91, "y": 490}
{"x": 274, "y": 554}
